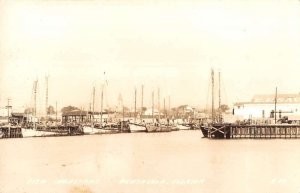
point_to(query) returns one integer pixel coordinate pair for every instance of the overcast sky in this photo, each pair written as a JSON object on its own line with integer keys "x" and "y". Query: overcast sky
{"x": 167, "y": 44}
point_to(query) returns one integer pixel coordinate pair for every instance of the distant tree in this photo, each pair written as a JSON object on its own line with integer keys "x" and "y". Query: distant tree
{"x": 126, "y": 109}
{"x": 50, "y": 110}
{"x": 224, "y": 108}
{"x": 28, "y": 110}
{"x": 68, "y": 109}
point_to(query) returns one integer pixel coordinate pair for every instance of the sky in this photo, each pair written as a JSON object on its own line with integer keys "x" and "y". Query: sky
{"x": 170, "y": 45}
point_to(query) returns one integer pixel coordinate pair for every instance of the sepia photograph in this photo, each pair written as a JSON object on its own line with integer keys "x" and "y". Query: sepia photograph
{"x": 148, "y": 96}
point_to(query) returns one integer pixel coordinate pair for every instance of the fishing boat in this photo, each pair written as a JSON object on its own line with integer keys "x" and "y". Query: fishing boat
{"x": 137, "y": 127}
{"x": 158, "y": 128}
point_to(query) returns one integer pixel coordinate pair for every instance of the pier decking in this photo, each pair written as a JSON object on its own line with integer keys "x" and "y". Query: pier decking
{"x": 252, "y": 131}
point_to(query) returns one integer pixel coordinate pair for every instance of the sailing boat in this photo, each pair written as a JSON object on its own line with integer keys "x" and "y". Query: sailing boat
{"x": 137, "y": 127}
{"x": 205, "y": 128}
{"x": 216, "y": 121}
{"x": 104, "y": 128}
{"x": 157, "y": 126}
{"x": 34, "y": 129}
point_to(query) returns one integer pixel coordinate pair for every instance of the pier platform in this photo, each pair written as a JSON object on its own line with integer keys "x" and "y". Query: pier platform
{"x": 231, "y": 131}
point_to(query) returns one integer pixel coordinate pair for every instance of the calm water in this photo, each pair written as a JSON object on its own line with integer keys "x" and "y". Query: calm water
{"x": 157, "y": 162}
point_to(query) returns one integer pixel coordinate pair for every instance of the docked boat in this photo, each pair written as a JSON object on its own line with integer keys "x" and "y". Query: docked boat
{"x": 109, "y": 128}
{"x": 158, "y": 128}
{"x": 135, "y": 127}
{"x": 38, "y": 133}
{"x": 183, "y": 127}
{"x": 49, "y": 131}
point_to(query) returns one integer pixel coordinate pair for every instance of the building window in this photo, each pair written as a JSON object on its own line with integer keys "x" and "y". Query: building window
{"x": 263, "y": 113}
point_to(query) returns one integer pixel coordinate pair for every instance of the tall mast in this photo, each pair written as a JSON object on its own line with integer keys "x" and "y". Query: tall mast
{"x": 152, "y": 106}
{"x": 135, "y": 104}
{"x": 101, "y": 105}
{"x": 169, "y": 109}
{"x": 220, "y": 113}
{"x": 142, "y": 100}
{"x": 8, "y": 107}
{"x": 158, "y": 104}
{"x": 93, "y": 107}
{"x": 34, "y": 91}
{"x": 56, "y": 111}
{"x": 275, "y": 103}
{"x": 164, "y": 107}
{"x": 212, "y": 95}
{"x": 34, "y": 109}
{"x": 46, "y": 97}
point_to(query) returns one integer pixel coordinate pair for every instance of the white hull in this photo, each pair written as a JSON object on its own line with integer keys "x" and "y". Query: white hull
{"x": 159, "y": 128}
{"x": 182, "y": 127}
{"x": 137, "y": 128}
{"x": 35, "y": 133}
{"x": 91, "y": 130}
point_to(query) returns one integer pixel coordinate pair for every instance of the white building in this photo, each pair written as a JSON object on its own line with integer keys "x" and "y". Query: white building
{"x": 263, "y": 106}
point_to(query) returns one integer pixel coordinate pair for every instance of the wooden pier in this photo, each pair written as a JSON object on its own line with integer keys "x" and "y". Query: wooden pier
{"x": 231, "y": 131}
{"x": 11, "y": 132}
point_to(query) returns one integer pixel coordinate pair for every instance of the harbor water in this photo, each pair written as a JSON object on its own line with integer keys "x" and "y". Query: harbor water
{"x": 180, "y": 161}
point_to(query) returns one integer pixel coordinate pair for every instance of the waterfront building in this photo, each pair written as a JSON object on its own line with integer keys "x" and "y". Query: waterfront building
{"x": 263, "y": 107}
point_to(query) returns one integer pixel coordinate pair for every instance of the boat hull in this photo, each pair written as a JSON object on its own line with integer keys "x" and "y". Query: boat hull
{"x": 153, "y": 128}
{"x": 137, "y": 128}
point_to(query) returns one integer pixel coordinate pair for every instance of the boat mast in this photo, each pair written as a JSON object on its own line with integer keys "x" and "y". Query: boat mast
{"x": 152, "y": 106}
{"x": 275, "y": 103}
{"x": 8, "y": 107}
{"x": 101, "y": 106}
{"x": 169, "y": 107}
{"x": 34, "y": 109}
{"x": 213, "y": 95}
{"x": 56, "y": 111}
{"x": 220, "y": 112}
{"x": 93, "y": 107}
{"x": 164, "y": 108}
{"x": 47, "y": 97}
{"x": 135, "y": 91}
{"x": 158, "y": 104}
{"x": 142, "y": 102}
